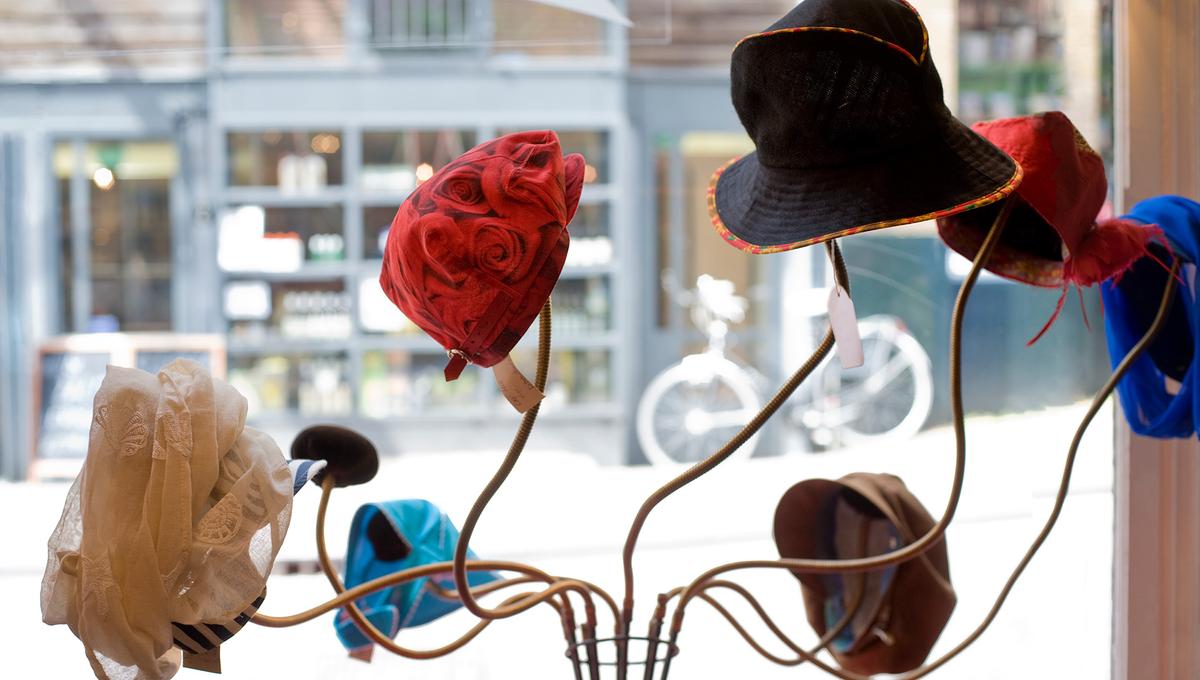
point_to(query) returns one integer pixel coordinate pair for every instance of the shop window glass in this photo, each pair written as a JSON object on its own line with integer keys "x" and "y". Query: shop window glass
{"x": 294, "y": 161}
{"x": 126, "y": 189}
{"x": 394, "y": 162}
{"x": 523, "y": 30}
{"x": 285, "y": 29}
{"x": 398, "y": 24}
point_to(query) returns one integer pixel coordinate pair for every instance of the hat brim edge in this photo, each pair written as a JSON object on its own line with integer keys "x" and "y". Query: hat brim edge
{"x": 730, "y": 237}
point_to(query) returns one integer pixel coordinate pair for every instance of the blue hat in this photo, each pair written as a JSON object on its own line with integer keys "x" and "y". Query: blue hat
{"x": 389, "y": 537}
{"x": 1159, "y": 393}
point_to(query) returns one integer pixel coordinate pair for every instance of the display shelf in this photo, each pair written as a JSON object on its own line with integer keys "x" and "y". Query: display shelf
{"x": 381, "y": 368}
{"x": 372, "y": 267}
{"x": 310, "y": 271}
{"x": 586, "y": 271}
{"x": 383, "y": 200}
{"x": 276, "y": 197}
{"x": 272, "y": 345}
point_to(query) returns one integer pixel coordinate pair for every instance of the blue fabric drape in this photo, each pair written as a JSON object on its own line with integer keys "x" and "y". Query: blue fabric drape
{"x": 1159, "y": 393}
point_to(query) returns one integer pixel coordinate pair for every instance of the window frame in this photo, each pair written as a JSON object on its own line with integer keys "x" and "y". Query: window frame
{"x": 1156, "y": 612}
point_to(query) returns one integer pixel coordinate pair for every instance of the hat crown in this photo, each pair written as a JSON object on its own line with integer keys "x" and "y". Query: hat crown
{"x": 892, "y": 21}
{"x": 835, "y": 82}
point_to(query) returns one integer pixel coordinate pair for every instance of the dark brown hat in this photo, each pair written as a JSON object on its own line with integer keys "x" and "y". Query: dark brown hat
{"x": 897, "y": 612}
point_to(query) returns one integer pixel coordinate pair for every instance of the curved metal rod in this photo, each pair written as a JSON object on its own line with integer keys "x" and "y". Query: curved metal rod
{"x": 1060, "y": 498}
{"x": 803, "y": 655}
{"x": 1064, "y": 486}
{"x": 479, "y": 591}
{"x": 379, "y": 638}
{"x": 703, "y": 467}
{"x": 388, "y": 581}
{"x": 935, "y": 533}
{"x": 506, "y": 467}
{"x": 746, "y": 634}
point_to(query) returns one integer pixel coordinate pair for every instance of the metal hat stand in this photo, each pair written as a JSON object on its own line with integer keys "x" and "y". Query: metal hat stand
{"x": 623, "y": 654}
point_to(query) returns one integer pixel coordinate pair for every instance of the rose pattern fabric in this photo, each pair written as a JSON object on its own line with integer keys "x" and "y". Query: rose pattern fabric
{"x": 474, "y": 252}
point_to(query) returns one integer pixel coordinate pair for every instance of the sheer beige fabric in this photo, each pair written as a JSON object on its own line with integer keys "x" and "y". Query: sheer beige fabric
{"x": 177, "y": 515}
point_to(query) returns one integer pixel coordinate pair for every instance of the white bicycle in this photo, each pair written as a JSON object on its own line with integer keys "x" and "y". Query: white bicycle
{"x": 693, "y": 407}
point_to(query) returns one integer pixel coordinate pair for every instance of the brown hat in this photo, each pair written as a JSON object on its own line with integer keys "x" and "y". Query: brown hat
{"x": 899, "y": 611}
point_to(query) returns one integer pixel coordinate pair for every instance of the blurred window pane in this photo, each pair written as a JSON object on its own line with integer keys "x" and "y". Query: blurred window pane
{"x": 421, "y": 23}
{"x": 592, "y": 144}
{"x": 295, "y": 161}
{"x": 395, "y": 161}
{"x": 532, "y": 29}
{"x": 285, "y": 28}
{"x": 128, "y": 186}
{"x": 301, "y": 384}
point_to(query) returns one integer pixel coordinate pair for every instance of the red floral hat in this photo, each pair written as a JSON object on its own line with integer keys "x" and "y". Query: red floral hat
{"x": 1052, "y": 238}
{"x": 474, "y": 252}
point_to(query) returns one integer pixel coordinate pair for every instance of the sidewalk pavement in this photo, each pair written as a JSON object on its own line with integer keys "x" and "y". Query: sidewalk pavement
{"x": 569, "y": 516}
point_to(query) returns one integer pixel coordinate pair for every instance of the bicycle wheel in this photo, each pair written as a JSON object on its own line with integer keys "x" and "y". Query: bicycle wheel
{"x": 888, "y": 397}
{"x": 693, "y": 408}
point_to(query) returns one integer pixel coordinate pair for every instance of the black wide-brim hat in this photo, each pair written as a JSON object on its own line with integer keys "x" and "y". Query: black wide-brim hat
{"x": 846, "y": 110}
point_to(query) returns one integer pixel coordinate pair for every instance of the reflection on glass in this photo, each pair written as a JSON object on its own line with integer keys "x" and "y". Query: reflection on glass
{"x": 394, "y": 162}
{"x": 299, "y": 384}
{"x": 285, "y": 28}
{"x": 400, "y": 383}
{"x": 295, "y": 161}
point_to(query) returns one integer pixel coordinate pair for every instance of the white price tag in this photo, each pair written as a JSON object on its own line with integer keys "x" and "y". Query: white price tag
{"x": 845, "y": 328}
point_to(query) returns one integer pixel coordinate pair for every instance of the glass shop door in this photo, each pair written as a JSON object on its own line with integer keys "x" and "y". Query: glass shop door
{"x": 114, "y": 200}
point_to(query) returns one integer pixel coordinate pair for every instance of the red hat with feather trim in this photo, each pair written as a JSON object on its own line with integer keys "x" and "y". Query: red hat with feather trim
{"x": 1052, "y": 238}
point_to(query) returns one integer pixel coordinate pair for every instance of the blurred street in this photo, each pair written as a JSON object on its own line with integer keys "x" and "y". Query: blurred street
{"x": 563, "y": 513}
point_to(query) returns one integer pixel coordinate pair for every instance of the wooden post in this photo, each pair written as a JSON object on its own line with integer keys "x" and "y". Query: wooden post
{"x": 1157, "y": 592}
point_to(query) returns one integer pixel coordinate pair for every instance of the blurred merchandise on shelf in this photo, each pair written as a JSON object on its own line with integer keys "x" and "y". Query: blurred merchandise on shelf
{"x": 326, "y": 248}
{"x": 296, "y": 282}
{"x": 576, "y": 377}
{"x": 376, "y": 312}
{"x": 315, "y": 314}
{"x": 302, "y": 311}
{"x": 376, "y": 221}
{"x": 299, "y": 174}
{"x": 590, "y": 251}
{"x": 294, "y": 161}
{"x": 308, "y": 385}
{"x": 252, "y": 238}
{"x": 593, "y": 144}
{"x": 591, "y": 219}
{"x": 581, "y": 306}
{"x": 394, "y": 162}
{"x": 404, "y": 383}
{"x": 247, "y": 301}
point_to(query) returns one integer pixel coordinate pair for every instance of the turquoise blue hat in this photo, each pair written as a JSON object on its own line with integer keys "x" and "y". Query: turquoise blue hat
{"x": 393, "y": 536}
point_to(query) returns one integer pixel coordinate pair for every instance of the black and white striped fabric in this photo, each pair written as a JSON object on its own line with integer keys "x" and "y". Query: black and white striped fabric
{"x": 205, "y": 637}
